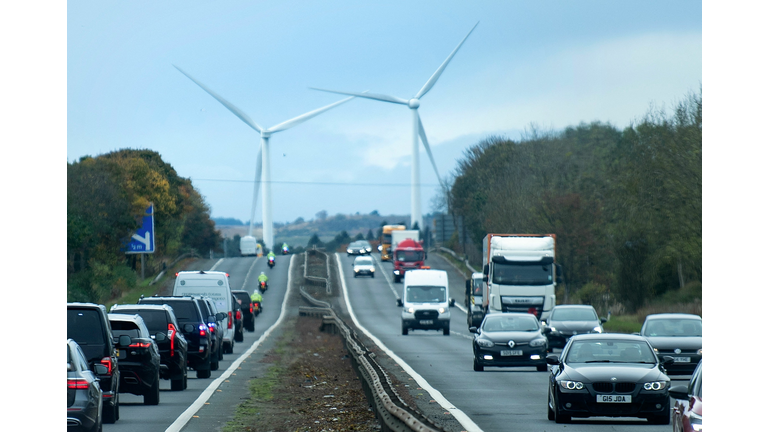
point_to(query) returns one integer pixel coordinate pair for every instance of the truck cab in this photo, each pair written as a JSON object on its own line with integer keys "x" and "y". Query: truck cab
{"x": 408, "y": 255}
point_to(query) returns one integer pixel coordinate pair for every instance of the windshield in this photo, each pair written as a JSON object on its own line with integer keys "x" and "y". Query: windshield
{"x": 522, "y": 273}
{"x": 425, "y": 294}
{"x": 610, "y": 351}
{"x": 409, "y": 256}
{"x": 573, "y": 314}
{"x": 673, "y": 327}
{"x": 503, "y": 323}
{"x": 364, "y": 262}
{"x": 477, "y": 287}
{"x": 185, "y": 311}
{"x": 155, "y": 320}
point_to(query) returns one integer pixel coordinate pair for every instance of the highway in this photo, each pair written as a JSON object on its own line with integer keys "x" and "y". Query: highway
{"x": 135, "y": 416}
{"x": 499, "y": 399}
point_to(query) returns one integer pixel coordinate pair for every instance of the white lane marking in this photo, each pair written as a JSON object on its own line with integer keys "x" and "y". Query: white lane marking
{"x": 462, "y": 335}
{"x": 217, "y": 264}
{"x": 184, "y": 418}
{"x": 383, "y": 274}
{"x": 460, "y": 416}
{"x": 249, "y": 273}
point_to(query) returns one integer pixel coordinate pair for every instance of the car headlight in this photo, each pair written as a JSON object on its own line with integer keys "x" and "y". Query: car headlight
{"x": 485, "y": 343}
{"x": 397, "y": 272}
{"x": 367, "y": 249}
{"x": 349, "y": 250}
{"x": 597, "y": 329}
{"x": 552, "y": 329}
{"x": 699, "y": 351}
{"x": 656, "y": 350}
{"x": 411, "y": 310}
{"x": 442, "y": 310}
{"x": 571, "y": 385}
{"x": 656, "y": 385}
{"x": 538, "y": 343}
{"x": 379, "y": 248}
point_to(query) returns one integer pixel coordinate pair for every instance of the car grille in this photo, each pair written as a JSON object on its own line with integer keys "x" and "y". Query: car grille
{"x": 425, "y": 314}
{"x": 517, "y": 344}
{"x": 608, "y": 387}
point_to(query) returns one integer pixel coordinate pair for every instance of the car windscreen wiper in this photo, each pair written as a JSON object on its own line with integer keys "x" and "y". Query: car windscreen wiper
{"x": 598, "y": 361}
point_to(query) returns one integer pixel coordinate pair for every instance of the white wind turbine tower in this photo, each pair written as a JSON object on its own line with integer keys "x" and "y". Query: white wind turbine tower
{"x": 418, "y": 130}
{"x": 262, "y": 161}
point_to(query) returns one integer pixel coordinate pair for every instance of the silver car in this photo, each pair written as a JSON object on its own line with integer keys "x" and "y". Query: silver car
{"x": 364, "y": 266}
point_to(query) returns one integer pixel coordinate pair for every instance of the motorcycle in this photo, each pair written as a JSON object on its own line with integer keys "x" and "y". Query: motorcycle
{"x": 262, "y": 286}
{"x": 285, "y": 250}
{"x": 271, "y": 262}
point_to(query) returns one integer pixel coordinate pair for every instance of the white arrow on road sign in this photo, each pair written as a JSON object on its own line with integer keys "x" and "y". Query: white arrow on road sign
{"x": 144, "y": 239}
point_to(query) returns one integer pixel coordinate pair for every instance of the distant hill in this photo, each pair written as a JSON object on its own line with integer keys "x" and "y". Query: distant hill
{"x": 227, "y": 221}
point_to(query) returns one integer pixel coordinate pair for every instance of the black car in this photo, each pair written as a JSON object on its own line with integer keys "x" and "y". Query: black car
{"x": 139, "y": 364}
{"x": 83, "y": 391}
{"x": 611, "y": 375}
{"x": 173, "y": 349}
{"x": 238, "y": 314}
{"x": 246, "y": 307}
{"x": 88, "y": 325}
{"x": 214, "y": 321}
{"x": 359, "y": 247}
{"x": 676, "y": 335}
{"x": 509, "y": 339}
{"x": 195, "y": 326}
{"x": 567, "y": 320}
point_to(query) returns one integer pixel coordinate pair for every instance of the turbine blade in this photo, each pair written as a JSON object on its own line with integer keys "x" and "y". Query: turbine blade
{"x": 374, "y": 96}
{"x": 304, "y": 117}
{"x": 233, "y": 109}
{"x": 423, "y": 135}
{"x": 256, "y": 186}
{"x": 439, "y": 71}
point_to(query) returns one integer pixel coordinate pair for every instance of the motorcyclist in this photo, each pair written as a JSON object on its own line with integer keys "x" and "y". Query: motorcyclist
{"x": 285, "y": 247}
{"x": 256, "y": 298}
{"x": 271, "y": 255}
{"x": 263, "y": 278}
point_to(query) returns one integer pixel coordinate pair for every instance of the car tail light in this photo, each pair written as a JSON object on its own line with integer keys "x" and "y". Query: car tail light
{"x": 203, "y": 329}
{"x": 171, "y": 334}
{"x": 251, "y": 305}
{"x": 107, "y": 361}
{"x": 139, "y": 345}
{"x": 77, "y": 383}
{"x": 532, "y": 311}
{"x": 212, "y": 328}
{"x": 229, "y": 323}
{"x": 238, "y": 315}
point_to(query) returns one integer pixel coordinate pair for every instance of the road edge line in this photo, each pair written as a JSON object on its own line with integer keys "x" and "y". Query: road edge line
{"x": 458, "y": 414}
{"x": 185, "y": 416}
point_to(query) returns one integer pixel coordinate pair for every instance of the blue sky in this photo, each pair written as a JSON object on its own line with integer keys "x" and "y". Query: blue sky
{"x": 550, "y": 64}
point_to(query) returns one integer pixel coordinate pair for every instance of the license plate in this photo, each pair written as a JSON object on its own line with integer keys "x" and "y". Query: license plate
{"x": 511, "y": 352}
{"x": 614, "y": 398}
{"x": 425, "y": 322}
{"x": 682, "y": 359}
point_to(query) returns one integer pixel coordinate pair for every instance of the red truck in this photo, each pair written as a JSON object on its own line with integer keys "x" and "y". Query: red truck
{"x": 407, "y": 255}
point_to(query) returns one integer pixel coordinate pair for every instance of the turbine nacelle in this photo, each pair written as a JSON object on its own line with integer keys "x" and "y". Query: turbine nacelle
{"x": 414, "y": 103}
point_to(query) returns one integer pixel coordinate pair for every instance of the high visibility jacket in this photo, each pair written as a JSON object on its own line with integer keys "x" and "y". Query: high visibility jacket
{"x": 256, "y": 297}
{"x": 263, "y": 278}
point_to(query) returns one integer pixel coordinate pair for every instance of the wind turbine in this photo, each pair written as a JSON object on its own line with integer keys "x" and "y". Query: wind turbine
{"x": 418, "y": 130}
{"x": 262, "y": 161}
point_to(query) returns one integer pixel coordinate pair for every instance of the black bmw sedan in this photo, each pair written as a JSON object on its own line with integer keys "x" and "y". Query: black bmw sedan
{"x": 611, "y": 375}
{"x": 509, "y": 339}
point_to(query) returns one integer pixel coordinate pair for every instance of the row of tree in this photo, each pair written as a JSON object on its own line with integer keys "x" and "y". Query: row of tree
{"x": 106, "y": 199}
{"x": 625, "y": 204}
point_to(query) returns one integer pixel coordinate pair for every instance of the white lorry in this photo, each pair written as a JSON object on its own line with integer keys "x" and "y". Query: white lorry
{"x": 520, "y": 273}
{"x": 248, "y": 246}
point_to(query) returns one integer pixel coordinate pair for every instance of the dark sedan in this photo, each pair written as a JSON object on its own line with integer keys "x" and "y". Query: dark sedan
{"x": 359, "y": 247}
{"x": 83, "y": 391}
{"x": 139, "y": 363}
{"x": 676, "y": 335}
{"x": 567, "y": 320}
{"x": 509, "y": 339}
{"x": 611, "y": 375}
{"x": 687, "y": 412}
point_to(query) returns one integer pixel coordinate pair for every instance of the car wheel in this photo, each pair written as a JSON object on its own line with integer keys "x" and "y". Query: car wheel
{"x": 541, "y": 368}
{"x": 215, "y": 363}
{"x": 373, "y": 275}
{"x": 221, "y": 352}
{"x": 204, "y": 373}
{"x": 153, "y": 397}
{"x": 550, "y": 413}
{"x": 405, "y": 330}
{"x": 477, "y": 366}
{"x": 447, "y": 330}
{"x": 185, "y": 378}
{"x": 355, "y": 275}
{"x": 177, "y": 384}
{"x": 239, "y": 336}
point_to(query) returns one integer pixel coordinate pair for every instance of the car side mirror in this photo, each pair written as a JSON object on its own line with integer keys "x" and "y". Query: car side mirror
{"x": 399, "y": 302}
{"x": 100, "y": 369}
{"x": 473, "y": 329}
{"x": 452, "y": 302}
{"x": 667, "y": 360}
{"x": 124, "y": 341}
{"x": 485, "y": 278}
{"x": 679, "y": 392}
{"x": 220, "y": 316}
{"x": 211, "y": 318}
{"x": 553, "y": 359}
{"x": 161, "y": 337}
{"x": 189, "y": 328}
{"x": 603, "y": 320}
{"x": 546, "y": 329}
{"x": 485, "y": 269}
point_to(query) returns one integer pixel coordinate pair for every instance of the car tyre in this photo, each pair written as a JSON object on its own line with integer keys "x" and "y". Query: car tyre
{"x": 550, "y": 413}
{"x": 177, "y": 384}
{"x": 252, "y": 325}
{"x": 215, "y": 363}
{"x": 239, "y": 335}
{"x": 447, "y": 330}
{"x": 153, "y": 396}
{"x": 477, "y": 366}
{"x": 204, "y": 373}
{"x": 405, "y": 330}
{"x": 355, "y": 275}
{"x": 373, "y": 275}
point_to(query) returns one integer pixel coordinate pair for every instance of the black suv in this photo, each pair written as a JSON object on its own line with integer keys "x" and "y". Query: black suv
{"x": 173, "y": 349}
{"x": 246, "y": 307}
{"x": 139, "y": 365}
{"x": 195, "y": 328}
{"x": 88, "y": 325}
{"x": 215, "y": 326}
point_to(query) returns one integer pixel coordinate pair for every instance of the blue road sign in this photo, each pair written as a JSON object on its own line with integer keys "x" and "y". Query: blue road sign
{"x": 144, "y": 239}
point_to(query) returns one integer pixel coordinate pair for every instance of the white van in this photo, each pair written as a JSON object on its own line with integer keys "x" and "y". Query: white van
{"x": 425, "y": 301}
{"x": 248, "y": 246}
{"x": 213, "y": 284}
